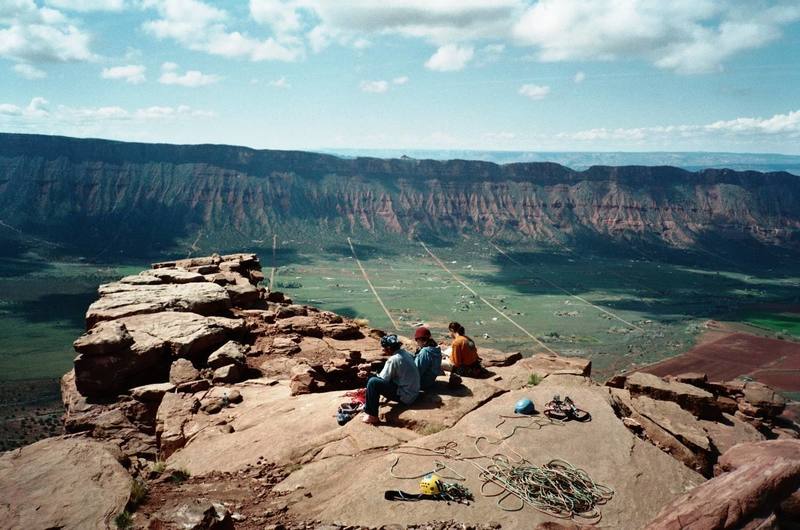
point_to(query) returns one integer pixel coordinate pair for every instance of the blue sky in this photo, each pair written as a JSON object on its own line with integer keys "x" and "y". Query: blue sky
{"x": 572, "y": 75}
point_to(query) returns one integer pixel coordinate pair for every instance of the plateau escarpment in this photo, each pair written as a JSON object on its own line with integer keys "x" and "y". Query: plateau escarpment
{"x": 199, "y": 399}
{"x": 109, "y": 196}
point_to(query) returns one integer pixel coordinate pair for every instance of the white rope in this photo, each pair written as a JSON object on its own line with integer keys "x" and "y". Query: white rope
{"x": 485, "y": 301}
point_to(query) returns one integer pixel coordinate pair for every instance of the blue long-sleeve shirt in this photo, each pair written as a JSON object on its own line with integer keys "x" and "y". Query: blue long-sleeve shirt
{"x": 429, "y": 364}
{"x": 401, "y": 370}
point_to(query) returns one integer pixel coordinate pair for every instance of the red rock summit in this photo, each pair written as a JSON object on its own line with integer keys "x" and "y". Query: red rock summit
{"x": 200, "y": 400}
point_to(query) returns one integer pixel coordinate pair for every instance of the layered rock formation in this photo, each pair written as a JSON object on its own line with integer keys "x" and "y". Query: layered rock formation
{"x": 226, "y": 413}
{"x": 102, "y": 195}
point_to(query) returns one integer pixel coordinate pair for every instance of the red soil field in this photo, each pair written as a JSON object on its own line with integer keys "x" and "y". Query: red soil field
{"x": 770, "y": 361}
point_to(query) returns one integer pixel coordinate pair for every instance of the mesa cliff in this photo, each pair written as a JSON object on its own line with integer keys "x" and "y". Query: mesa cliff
{"x": 121, "y": 196}
{"x": 200, "y": 400}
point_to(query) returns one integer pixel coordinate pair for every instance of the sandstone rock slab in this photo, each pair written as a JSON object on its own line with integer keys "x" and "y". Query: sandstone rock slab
{"x": 696, "y": 400}
{"x": 61, "y": 483}
{"x": 104, "y": 339}
{"x": 119, "y": 300}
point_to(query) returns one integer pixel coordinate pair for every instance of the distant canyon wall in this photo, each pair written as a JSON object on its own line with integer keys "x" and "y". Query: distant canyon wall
{"x": 121, "y": 194}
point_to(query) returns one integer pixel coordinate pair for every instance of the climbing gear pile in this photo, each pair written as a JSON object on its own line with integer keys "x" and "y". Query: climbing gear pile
{"x": 432, "y": 487}
{"x": 565, "y": 410}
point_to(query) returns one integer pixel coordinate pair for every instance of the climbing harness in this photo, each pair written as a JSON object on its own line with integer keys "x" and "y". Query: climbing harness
{"x": 565, "y": 410}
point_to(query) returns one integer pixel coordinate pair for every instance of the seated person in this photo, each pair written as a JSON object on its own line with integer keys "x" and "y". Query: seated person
{"x": 463, "y": 359}
{"x": 398, "y": 381}
{"x": 428, "y": 358}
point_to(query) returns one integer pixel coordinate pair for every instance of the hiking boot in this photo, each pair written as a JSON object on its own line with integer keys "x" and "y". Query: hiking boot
{"x": 454, "y": 380}
{"x": 369, "y": 419}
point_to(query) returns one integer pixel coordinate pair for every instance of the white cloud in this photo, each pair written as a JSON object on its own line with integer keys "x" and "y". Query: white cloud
{"x": 280, "y": 83}
{"x": 282, "y": 16}
{"x": 534, "y": 91}
{"x": 202, "y": 27}
{"x": 33, "y": 34}
{"x": 29, "y": 72}
{"x": 579, "y": 78}
{"x": 450, "y": 58}
{"x": 131, "y": 73}
{"x": 438, "y": 21}
{"x": 402, "y": 80}
{"x": 190, "y": 78}
{"x": 374, "y": 87}
{"x": 785, "y": 125}
{"x": 37, "y": 109}
{"x": 88, "y": 5}
{"x": 688, "y": 36}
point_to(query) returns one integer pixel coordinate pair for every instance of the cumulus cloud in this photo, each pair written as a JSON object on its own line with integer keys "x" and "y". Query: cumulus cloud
{"x": 199, "y": 26}
{"x": 88, "y": 5}
{"x": 170, "y": 75}
{"x": 786, "y": 125}
{"x": 402, "y": 80}
{"x": 374, "y": 87}
{"x": 579, "y": 78}
{"x": 29, "y": 72}
{"x": 38, "y": 108}
{"x": 450, "y": 58}
{"x": 131, "y": 73}
{"x": 282, "y": 16}
{"x": 33, "y": 34}
{"x": 534, "y": 91}
{"x": 438, "y": 21}
{"x": 281, "y": 82}
{"x": 685, "y": 36}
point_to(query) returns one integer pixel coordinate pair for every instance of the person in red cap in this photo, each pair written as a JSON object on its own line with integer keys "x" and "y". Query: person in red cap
{"x": 428, "y": 357}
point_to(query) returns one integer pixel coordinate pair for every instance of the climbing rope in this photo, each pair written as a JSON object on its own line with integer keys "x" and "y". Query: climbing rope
{"x": 557, "y": 488}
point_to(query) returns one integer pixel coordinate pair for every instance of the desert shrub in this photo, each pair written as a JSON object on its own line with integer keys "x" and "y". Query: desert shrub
{"x": 534, "y": 379}
{"x": 138, "y": 493}
{"x": 124, "y": 520}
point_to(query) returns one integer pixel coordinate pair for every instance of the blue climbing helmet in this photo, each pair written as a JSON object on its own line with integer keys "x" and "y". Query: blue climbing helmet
{"x": 524, "y": 406}
{"x": 391, "y": 342}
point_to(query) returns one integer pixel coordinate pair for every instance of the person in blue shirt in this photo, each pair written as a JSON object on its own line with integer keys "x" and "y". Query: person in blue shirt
{"x": 428, "y": 358}
{"x": 398, "y": 381}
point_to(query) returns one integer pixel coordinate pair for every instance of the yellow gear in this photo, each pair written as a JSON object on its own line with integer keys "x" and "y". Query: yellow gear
{"x": 430, "y": 485}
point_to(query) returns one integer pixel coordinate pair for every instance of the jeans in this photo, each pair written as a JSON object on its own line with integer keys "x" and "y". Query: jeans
{"x": 377, "y": 387}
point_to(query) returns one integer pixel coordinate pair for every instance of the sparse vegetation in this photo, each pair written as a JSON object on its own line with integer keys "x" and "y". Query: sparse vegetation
{"x": 138, "y": 493}
{"x": 179, "y": 475}
{"x": 534, "y": 379}
{"x": 124, "y": 520}
{"x": 361, "y": 322}
{"x": 431, "y": 428}
{"x": 158, "y": 467}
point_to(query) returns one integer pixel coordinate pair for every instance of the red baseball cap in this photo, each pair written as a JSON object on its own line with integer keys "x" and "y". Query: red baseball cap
{"x": 422, "y": 333}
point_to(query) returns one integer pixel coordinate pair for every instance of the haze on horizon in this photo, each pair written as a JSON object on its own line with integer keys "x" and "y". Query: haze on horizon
{"x": 506, "y": 75}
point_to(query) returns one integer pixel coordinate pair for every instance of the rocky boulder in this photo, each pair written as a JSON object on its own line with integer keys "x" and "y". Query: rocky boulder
{"x": 183, "y": 371}
{"x": 230, "y": 353}
{"x": 61, "y": 483}
{"x": 699, "y": 402}
{"x": 754, "y": 481}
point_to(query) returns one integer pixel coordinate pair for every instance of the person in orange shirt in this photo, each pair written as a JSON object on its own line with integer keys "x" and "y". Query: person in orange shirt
{"x": 463, "y": 359}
